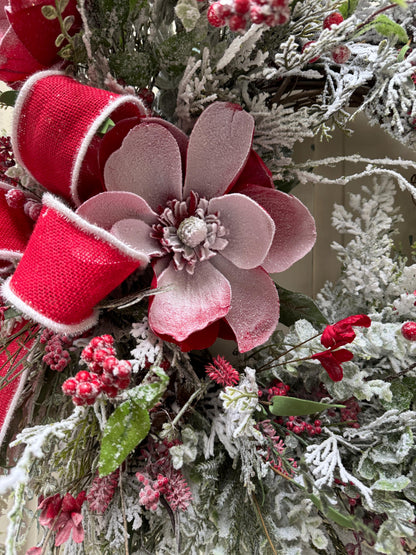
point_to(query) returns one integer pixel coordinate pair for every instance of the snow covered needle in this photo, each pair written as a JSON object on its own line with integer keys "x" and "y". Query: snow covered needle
{"x": 221, "y": 372}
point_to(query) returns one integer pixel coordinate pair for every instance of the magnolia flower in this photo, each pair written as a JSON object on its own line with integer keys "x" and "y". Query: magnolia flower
{"x": 212, "y": 223}
{"x": 27, "y": 38}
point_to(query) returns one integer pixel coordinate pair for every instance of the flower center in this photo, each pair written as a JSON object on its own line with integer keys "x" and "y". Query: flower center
{"x": 188, "y": 231}
{"x": 192, "y": 231}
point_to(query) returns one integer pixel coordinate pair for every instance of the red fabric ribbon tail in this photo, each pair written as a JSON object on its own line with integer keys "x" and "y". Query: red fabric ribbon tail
{"x": 10, "y": 394}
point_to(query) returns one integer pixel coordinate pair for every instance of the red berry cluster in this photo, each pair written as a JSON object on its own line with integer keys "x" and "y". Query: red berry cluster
{"x": 147, "y": 96}
{"x": 153, "y": 489}
{"x": 278, "y": 388}
{"x": 56, "y": 356}
{"x": 409, "y": 331}
{"x": 350, "y": 413}
{"x": 107, "y": 374}
{"x": 16, "y": 198}
{"x": 296, "y": 425}
{"x": 237, "y": 14}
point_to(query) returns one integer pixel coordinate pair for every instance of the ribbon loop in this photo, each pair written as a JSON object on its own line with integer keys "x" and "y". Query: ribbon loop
{"x": 55, "y": 123}
{"x": 68, "y": 267}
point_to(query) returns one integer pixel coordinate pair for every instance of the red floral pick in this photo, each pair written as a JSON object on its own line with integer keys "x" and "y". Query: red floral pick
{"x": 335, "y": 336}
{"x": 63, "y": 515}
{"x": 331, "y": 361}
{"x": 342, "y": 332}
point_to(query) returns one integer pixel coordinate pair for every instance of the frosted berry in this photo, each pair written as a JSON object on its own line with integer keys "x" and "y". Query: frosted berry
{"x": 241, "y": 6}
{"x": 15, "y": 198}
{"x": 307, "y": 45}
{"x": 334, "y": 18}
{"x": 122, "y": 370}
{"x": 409, "y": 331}
{"x": 69, "y": 386}
{"x": 215, "y": 15}
{"x": 83, "y": 376}
{"x": 257, "y": 15}
{"x": 341, "y": 54}
{"x": 32, "y": 209}
{"x": 236, "y": 23}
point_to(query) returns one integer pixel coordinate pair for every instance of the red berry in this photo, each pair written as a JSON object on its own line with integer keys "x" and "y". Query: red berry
{"x": 69, "y": 386}
{"x": 256, "y": 15}
{"x": 241, "y": 6}
{"x": 110, "y": 363}
{"x": 101, "y": 354}
{"x": 334, "y": 18}
{"x": 87, "y": 354}
{"x": 409, "y": 331}
{"x": 305, "y": 47}
{"x": 215, "y": 15}
{"x": 236, "y": 23}
{"x": 86, "y": 390}
{"x": 78, "y": 401}
{"x": 83, "y": 376}
{"x": 107, "y": 338}
{"x": 110, "y": 390}
{"x": 32, "y": 209}
{"x": 15, "y": 198}
{"x": 122, "y": 370}
{"x": 341, "y": 54}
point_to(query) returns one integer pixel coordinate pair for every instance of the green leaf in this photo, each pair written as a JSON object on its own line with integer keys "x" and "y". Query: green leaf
{"x": 66, "y": 52}
{"x": 291, "y": 406}
{"x": 188, "y": 13}
{"x": 389, "y": 28}
{"x": 62, "y": 4}
{"x": 106, "y": 126}
{"x": 297, "y": 306}
{"x": 8, "y": 98}
{"x": 391, "y": 484}
{"x": 348, "y": 8}
{"x": 402, "y": 53}
{"x": 11, "y": 312}
{"x": 126, "y": 428}
{"x": 341, "y": 519}
{"x": 59, "y": 40}
{"x": 49, "y": 12}
{"x": 147, "y": 395}
{"x": 402, "y": 397}
{"x": 68, "y": 22}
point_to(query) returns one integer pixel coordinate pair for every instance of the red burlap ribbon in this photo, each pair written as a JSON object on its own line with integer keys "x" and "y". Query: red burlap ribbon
{"x": 14, "y": 376}
{"x": 55, "y": 123}
{"x": 68, "y": 265}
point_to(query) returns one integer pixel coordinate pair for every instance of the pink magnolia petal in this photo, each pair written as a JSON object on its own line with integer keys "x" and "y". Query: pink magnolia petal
{"x": 191, "y": 303}
{"x": 250, "y": 229}
{"x": 105, "y": 209}
{"x": 295, "y": 227}
{"x": 148, "y": 163}
{"x": 136, "y": 234}
{"x": 218, "y": 149}
{"x": 254, "y": 311}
